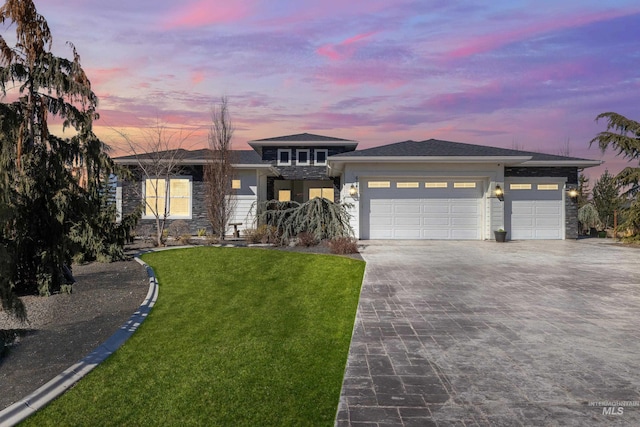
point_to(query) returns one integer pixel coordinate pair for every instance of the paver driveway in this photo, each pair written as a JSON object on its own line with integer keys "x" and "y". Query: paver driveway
{"x": 484, "y": 333}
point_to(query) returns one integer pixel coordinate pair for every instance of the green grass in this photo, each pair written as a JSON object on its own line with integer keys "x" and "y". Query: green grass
{"x": 238, "y": 337}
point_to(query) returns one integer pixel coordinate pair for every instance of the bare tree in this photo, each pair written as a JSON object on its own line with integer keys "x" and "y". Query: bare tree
{"x": 218, "y": 172}
{"x": 158, "y": 157}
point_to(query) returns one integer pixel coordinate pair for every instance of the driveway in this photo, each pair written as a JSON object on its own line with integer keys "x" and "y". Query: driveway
{"x": 484, "y": 333}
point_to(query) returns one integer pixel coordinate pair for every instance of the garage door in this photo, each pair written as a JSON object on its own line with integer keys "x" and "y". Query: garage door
{"x": 401, "y": 209}
{"x": 535, "y": 211}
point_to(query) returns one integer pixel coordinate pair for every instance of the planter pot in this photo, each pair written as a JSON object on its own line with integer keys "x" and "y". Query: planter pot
{"x": 501, "y": 236}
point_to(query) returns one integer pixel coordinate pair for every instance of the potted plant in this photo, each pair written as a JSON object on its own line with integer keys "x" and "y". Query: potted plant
{"x": 501, "y": 235}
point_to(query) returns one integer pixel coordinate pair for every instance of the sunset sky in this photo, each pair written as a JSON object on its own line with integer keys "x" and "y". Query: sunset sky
{"x": 530, "y": 75}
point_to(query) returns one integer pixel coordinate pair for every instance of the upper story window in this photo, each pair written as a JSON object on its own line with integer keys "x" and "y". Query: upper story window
{"x": 321, "y": 157}
{"x": 303, "y": 157}
{"x": 284, "y": 157}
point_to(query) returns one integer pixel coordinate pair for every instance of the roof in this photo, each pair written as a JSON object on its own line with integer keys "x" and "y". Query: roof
{"x": 303, "y": 137}
{"x": 439, "y": 148}
{"x": 302, "y": 140}
{"x": 241, "y": 158}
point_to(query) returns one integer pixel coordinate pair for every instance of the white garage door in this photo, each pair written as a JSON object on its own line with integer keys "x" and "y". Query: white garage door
{"x": 415, "y": 209}
{"x": 535, "y": 211}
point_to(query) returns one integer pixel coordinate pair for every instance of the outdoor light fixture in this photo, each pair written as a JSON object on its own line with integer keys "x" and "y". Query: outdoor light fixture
{"x": 573, "y": 193}
{"x": 353, "y": 190}
{"x": 499, "y": 193}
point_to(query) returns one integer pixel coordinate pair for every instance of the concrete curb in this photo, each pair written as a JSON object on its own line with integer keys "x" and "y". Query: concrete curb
{"x": 26, "y": 407}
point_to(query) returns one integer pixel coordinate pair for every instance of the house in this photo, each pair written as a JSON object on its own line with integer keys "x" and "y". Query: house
{"x": 429, "y": 189}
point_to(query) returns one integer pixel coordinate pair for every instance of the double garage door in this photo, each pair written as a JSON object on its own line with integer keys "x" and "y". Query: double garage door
{"x": 418, "y": 209}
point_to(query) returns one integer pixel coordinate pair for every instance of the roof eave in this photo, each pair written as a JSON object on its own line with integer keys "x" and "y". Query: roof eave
{"x": 198, "y": 162}
{"x": 579, "y": 163}
{"x": 429, "y": 159}
{"x": 255, "y": 144}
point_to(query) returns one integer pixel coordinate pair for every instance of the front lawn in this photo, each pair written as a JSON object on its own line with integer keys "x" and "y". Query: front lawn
{"x": 238, "y": 337}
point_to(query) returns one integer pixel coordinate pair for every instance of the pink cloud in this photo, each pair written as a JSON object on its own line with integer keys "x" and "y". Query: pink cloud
{"x": 488, "y": 42}
{"x": 197, "y": 77}
{"x": 100, "y": 76}
{"x": 344, "y": 49}
{"x": 205, "y": 12}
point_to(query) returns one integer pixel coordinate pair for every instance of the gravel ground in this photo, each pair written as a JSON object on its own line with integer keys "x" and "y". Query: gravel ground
{"x": 62, "y": 329}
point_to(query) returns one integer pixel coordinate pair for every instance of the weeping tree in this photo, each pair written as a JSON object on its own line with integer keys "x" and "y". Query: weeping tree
{"x": 623, "y": 135}
{"x": 319, "y": 217}
{"x": 55, "y": 188}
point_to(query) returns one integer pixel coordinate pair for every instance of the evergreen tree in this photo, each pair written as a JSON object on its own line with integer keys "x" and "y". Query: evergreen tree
{"x": 605, "y": 198}
{"x": 623, "y": 135}
{"x": 54, "y": 187}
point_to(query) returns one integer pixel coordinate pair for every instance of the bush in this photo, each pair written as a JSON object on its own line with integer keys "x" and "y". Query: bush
{"x": 202, "y": 232}
{"x": 343, "y": 246}
{"x": 306, "y": 239}
{"x": 178, "y": 228}
{"x": 262, "y": 234}
{"x": 319, "y": 217}
{"x": 184, "y": 239}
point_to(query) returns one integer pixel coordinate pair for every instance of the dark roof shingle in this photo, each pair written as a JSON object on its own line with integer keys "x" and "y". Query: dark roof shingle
{"x": 439, "y": 148}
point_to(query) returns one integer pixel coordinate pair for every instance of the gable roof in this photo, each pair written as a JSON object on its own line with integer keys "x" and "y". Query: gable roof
{"x": 435, "y": 150}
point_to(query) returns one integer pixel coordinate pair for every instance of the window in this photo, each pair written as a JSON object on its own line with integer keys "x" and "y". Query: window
{"x": 547, "y": 186}
{"x": 178, "y": 194}
{"x": 327, "y": 193}
{"x": 284, "y": 157}
{"x": 407, "y": 185}
{"x": 436, "y": 185}
{"x": 320, "y": 157}
{"x": 464, "y": 185}
{"x": 520, "y": 186}
{"x": 303, "y": 157}
{"x": 284, "y": 195}
{"x": 379, "y": 184}
{"x": 236, "y": 184}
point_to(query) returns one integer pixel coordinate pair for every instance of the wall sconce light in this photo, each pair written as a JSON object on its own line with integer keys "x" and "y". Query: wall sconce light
{"x": 353, "y": 190}
{"x": 499, "y": 193}
{"x": 573, "y": 193}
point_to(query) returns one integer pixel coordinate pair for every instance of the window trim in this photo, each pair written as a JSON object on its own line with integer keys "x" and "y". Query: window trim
{"x": 315, "y": 156}
{"x": 279, "y": 160}
{"x": 168, "y": 187}
{"x": 308, "y": 162}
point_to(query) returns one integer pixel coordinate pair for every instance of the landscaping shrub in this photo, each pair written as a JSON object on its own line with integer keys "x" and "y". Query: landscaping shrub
{"x": 262, "y": 234}
{"x": 319, "y": 217}
{"x": 306, "y": 239}
{"x": 178, "y": 228}
{"x": 343, "y": 246}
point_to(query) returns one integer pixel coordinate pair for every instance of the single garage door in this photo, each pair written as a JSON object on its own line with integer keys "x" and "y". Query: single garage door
{"x": 418, "y": 209}
{"x": 534, "y": 210}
